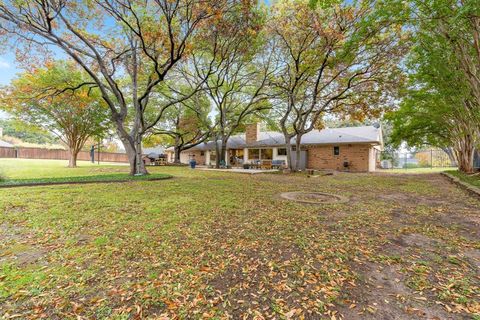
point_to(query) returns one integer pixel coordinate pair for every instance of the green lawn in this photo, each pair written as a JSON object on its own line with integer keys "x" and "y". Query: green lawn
{"x": 31, "y": 172}
{"x": 33, "y": 169}
{"x": 474, "y": 180}
{"x": 216, "y": 245}
{"x": 416, "y": 170}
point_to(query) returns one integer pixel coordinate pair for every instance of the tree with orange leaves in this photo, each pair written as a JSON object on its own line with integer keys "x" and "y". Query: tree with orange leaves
{"x": 38, "y": 98}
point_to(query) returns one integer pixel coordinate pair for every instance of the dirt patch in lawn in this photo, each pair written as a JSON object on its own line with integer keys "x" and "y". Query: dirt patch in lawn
{"x": 380, "y": 293}
{"x": 313, "y": 197}
{"x": 473, "y": 255}
{"x": 10, "y": 232}
{"x": 415, "y": 240}
{"x": 22, "y": 254}
{"x": 15, "y": 246}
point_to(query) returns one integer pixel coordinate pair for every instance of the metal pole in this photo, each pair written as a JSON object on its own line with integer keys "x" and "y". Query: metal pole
{"x": 98, "y": 152}
{"x": 431, "y": 159}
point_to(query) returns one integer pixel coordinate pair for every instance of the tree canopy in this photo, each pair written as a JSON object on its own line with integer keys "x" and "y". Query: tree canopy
{"x": 38, "y": 97}
{"x": 440, "y": 105}
{"x": 333, "y": 58}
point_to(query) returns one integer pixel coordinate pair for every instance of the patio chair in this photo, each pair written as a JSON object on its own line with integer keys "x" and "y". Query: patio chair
{"x": 222, "y": 164}
{"x": 266, "y": 164}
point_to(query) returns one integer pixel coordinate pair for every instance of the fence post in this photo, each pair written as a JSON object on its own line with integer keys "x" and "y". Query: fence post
{"x": 431, "y": 159}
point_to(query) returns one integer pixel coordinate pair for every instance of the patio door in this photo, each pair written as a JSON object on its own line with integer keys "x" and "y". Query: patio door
{"x": 235, "y": 157}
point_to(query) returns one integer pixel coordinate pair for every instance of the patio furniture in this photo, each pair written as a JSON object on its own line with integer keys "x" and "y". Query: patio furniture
{"x": 155, "y": 159}
{"x": 255, "y": 164}
{"x": 162, "y": 161}
{"x": 222, "y": 164}
{"x": 266, "y": 164}
{"x": 278, "y": 164}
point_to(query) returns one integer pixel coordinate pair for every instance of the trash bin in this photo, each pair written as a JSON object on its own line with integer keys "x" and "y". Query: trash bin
{"x": 193, "y": 163}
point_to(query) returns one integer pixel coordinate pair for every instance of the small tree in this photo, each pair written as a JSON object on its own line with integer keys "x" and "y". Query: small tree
{"x": 74, "y": 116}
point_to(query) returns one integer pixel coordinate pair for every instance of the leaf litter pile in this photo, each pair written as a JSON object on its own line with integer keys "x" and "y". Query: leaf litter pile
{"x": 211, "y": 245}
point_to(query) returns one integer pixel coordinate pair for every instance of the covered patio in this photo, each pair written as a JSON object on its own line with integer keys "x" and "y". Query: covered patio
{"x": 254, "y": 158}
{"x": 240, "y": 170}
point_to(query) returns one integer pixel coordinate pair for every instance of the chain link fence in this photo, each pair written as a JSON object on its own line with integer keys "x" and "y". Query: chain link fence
{"x": 433, "y": 158}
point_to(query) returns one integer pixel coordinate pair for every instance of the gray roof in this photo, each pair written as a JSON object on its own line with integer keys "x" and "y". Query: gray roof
{"x": 5, "y": 144}
{"x": 365, "y": 134}
{"x": 156, "y": 149}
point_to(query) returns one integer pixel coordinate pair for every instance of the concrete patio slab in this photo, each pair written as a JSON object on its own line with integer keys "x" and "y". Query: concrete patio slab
{"x": 239, "y": 170}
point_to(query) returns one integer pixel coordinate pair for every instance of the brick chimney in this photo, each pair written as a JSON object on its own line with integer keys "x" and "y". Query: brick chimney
{"x": 252, "y": 132}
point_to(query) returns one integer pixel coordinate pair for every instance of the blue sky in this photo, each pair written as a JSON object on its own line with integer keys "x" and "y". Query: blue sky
{"x": 8, "y": 68}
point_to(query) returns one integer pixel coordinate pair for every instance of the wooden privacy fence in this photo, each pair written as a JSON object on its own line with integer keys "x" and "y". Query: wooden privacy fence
{"x": 58, "y": 154}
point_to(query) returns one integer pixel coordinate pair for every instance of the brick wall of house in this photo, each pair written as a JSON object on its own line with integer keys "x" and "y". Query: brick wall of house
{"x": 322, "y": 157}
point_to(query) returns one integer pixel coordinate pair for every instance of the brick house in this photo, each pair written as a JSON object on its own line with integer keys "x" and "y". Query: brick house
{"x": 343, "y": 149}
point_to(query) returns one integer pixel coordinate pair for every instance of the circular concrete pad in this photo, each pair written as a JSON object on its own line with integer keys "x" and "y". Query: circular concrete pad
{"x": 313, "y": 197}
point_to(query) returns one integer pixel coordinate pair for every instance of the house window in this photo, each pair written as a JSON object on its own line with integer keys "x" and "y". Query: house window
{"x": 240, "y": 153}
{"x": 254, "y": 154}
{"x": 336, "y": 151}
{"x": 267, "y": 154}
{"x": 282, "y": 151}
{"x": 202, "y": 153}
{"x": 260, "y": 154}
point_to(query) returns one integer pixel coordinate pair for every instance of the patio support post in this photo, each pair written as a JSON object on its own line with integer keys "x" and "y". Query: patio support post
{"x": 245, "y": 155}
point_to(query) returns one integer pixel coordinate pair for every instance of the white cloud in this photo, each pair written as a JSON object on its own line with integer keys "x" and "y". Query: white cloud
{"x": 4, "y": 64}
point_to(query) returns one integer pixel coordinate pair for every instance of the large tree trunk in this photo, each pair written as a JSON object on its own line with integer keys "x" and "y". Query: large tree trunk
{"x": 465, "y": 151}
{"x": 224, "y": 152}
{"x": 133, "y": 148}
{"x": 465, "y": 161}
{"x": 298, "y": 152}
{"x": 176, "y": 150}
{"x": 72, "y": 159}
{"x": 218, "y": 151}
{"x": 140, "y": 168}
{"x": 288, "y": 145}
{"x": 176, "y": 153}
